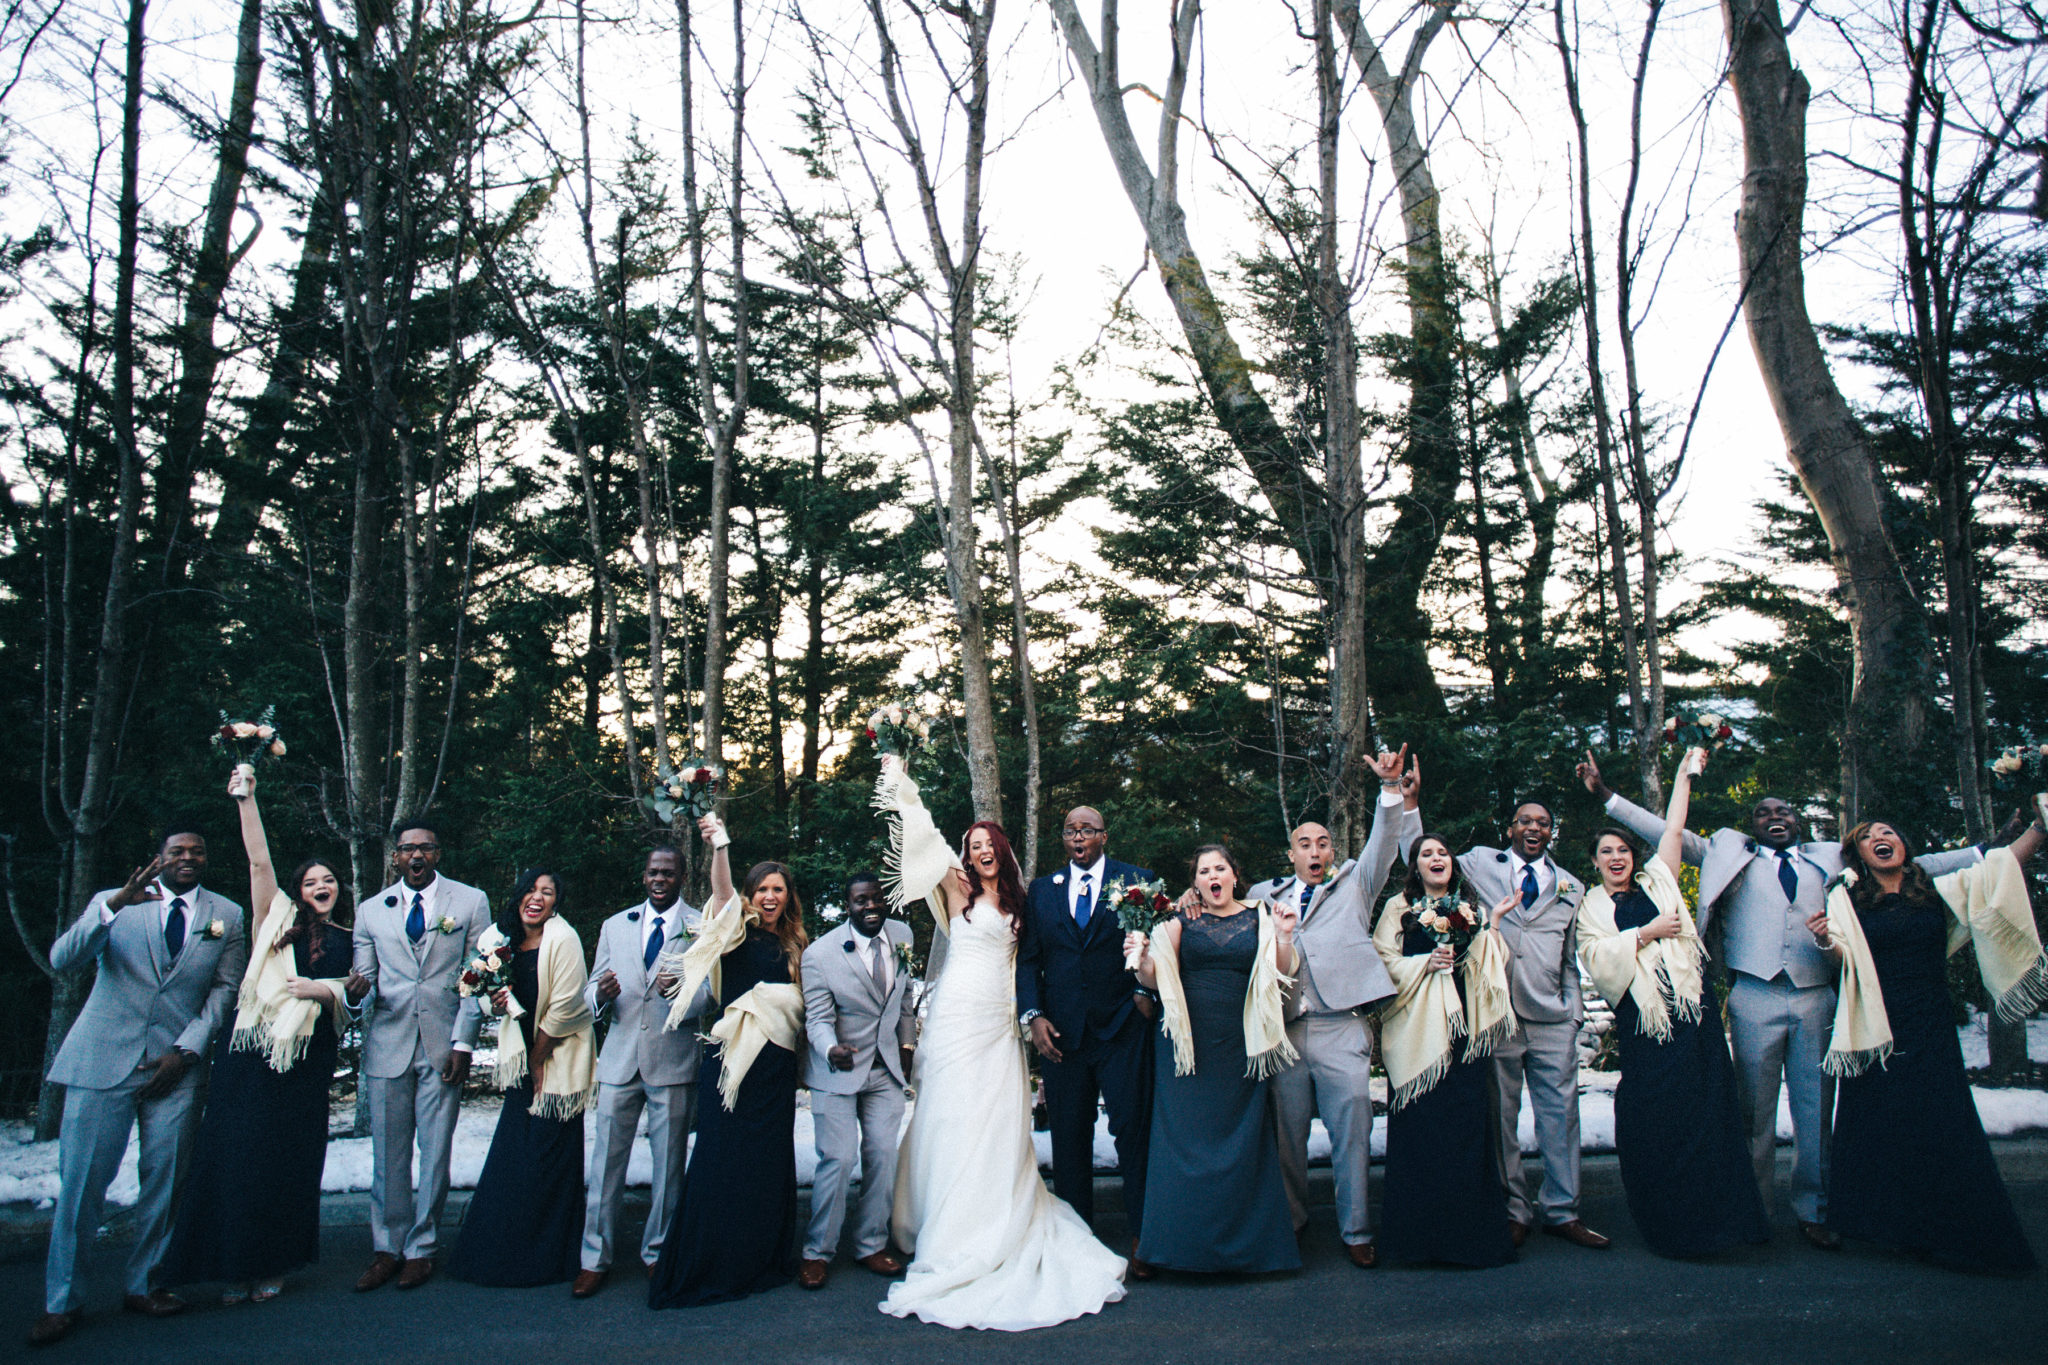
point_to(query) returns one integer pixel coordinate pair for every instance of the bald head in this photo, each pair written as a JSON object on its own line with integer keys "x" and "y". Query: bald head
{"x": 1084, "y": 834}
{"x": 1311, "y": 852}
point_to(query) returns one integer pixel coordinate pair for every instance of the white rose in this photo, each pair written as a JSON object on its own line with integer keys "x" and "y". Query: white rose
{"x": 1711, "y": 721}
{"x": 675, "y": 790}
{"x": 244, "y": 730}
{"x": 264, "y": 732}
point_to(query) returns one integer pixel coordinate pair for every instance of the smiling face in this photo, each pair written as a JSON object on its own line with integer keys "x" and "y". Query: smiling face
{"x": 1309, "y": 849}
{"x": 1774, "y": 823}
{"x": 1433, "y": 861}
{"x": 537, "y": 906}
{"x": 319, "y": 888}
{"x": 1882, "y": 848}
{"x": 867, "y": 907}
{"x": 419, "y": 855}
{"x": 184, "y": 858}
{"x": 1215, "y": 881}
{"x": 1084, "y": 835}
{"x": 663, "y": 877}
{"x": 981, "y": 856}
{"x": 1529, "y": 832}
{"x": 769, "y": 898}
{"x": 1615, "y": 860}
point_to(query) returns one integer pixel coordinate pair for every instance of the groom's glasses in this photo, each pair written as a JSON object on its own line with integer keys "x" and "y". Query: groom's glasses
{"x": 1084, "y": 830}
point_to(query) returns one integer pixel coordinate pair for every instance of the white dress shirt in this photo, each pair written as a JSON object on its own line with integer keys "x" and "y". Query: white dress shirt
{"x": 865, "y": 949}
{"x": 1546, "y": 874}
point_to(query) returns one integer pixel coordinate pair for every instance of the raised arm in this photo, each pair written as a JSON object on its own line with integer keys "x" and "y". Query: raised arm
{"x": 712, "y": 830}
{"x": 1671, "y": 845}
{"x": 262, "y": 873}
{"x": 1633, "y": 818}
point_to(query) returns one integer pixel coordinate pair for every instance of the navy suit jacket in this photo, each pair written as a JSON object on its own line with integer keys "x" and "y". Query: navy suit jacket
{"x": 1075, "y": 978}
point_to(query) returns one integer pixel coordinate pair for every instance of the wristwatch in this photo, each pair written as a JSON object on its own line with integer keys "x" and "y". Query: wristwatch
{"x": 1024, "y": 1019}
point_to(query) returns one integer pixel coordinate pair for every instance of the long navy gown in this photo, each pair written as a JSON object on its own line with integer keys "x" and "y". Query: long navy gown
{"x": 250, "y": 1209}
{"x": 734, "y": 1232}
{"x": 1213, "y": 1197}
{"x": 1443, "y": 1199}
{"x": 525, "y": 1221}
{"x": 1684, "y": 1159}
{"x": 1910, "y": 1167}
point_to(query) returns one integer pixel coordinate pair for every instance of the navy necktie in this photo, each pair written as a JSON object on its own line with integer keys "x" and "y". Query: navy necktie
{"x": 416, "y": 922}
{"x": 1082, "y": 909}
{"x": 654, "y": 941}
{"x": 1529, "y": 891}
{"x": 1788, "y": 875}
{"x": 1308, "y": 893}
{"x": 174, "y": 928}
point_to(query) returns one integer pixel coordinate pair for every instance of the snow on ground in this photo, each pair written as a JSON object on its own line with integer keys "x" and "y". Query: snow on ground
{"x": 28, "y": 1170}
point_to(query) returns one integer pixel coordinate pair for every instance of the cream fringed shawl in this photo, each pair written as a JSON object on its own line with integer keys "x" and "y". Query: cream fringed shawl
{"x": 1646, "y": 972}
{"x": 1990, "y": 909}
{"x": 1420, "y": 1028}
{"x": 772, "y": 1012}
{"x": 268, "y": 1017}
{"x": 568, "y": 1078}
{"x": 1266, "y": 1047}
{"x": 920, "y": 863}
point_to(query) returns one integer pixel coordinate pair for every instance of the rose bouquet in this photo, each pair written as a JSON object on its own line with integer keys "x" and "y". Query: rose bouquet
{"x": 1448, "y": 920}
{"x": 900, "y": 730}
{"x": 1140, "y": 908}
{"x": 489, "y": 972}
{"x": 250, "y": 741}
{"x": 1704, "y": 730}
{"x": 2010, "y": 763}
{"x": 693, "y": 790}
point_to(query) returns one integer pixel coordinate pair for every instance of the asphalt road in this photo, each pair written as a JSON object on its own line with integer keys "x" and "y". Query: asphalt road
{"x": 1782, "y": 1303}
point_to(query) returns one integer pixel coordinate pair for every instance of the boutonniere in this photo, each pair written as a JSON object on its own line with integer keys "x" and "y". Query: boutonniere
{"x": 1059, "y": 879}
{"x": 446, "y": 924}
{"x": 904, "y": 964}
{"x": 216, "y": 929}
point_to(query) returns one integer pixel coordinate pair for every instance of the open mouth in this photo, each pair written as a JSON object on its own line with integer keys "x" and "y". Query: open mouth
{"x": 1882, "y": 852}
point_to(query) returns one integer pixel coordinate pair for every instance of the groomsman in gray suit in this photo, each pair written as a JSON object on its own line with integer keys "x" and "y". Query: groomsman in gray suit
{"x": 1541, "y": 930}
{"x": 170, "y": 956}
{"x": 1341, "y": 977}
{"x": 645, "y": 1066}
{"x": 857, "y": 1015}
{"x": 1761, "y": 887}
{"x": 411, "y": 941}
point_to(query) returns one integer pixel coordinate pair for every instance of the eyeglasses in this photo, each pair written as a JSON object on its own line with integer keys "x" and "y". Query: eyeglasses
{"x": 1084, "y": 830}
{"x": 409, "y": 849}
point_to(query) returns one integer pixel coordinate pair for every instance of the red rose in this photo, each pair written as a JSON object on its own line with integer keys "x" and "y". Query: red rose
{"x": 469, "y": 978}
{"x": 227, "y": 732}
{"x": 1160, "y": 904}
{"x": 871, "y": 732}
{"x": 703, "y": 776}
{"x": 1725, "y": 732}
{"x": 1133, "y": 896}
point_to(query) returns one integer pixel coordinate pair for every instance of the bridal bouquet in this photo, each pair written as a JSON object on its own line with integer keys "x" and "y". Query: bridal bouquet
{"x": 489, "y": 972}
{"x": 1140, "y": 908}
{"x": 899, "y": 730}
{"x": 692, "y": 789}
{"x": 1448, "y": 920}
{"x": 1702, "y": 731}
{"x": 2017, "y": 759}
{"x": 250, "y": 740}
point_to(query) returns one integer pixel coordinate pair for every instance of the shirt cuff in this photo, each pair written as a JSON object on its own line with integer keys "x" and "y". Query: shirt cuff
{"x": 1608, "y": 804}
{"x": 107, "y": 913}
{"x": 1392, "y": 798}
{"x": 457, "y": 1045}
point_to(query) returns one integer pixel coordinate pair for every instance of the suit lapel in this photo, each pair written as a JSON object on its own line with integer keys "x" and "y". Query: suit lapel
{"x": 629, "y": 949}
{"x": 147, "y": 925}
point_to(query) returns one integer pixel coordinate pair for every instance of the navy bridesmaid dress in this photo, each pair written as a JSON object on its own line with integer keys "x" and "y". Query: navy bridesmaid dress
{"x": 1213, "y": 1197}
{"x": 1910, "y": 1167}
{"x": 524, "y": 1226}
{"x": 1677, "y": 1132}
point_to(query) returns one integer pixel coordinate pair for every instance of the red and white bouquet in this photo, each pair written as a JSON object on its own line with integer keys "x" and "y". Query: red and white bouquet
{"x": 489, "y": 972}
{"x": 1703, "y": 730}
{"x": 692, "y": 789}
{"x": 1140, "y": 908}
{"x": 900, "y": 730}
{"x": 250, "y": 741}
{"x": 1449, "y": 920}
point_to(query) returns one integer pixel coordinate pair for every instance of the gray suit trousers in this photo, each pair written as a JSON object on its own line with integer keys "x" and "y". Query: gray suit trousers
{"x": 1545, "y": 1058}
{"x": 870, "y": 1122}
{"x": 414, "y": 1107}
{"x": 669, "y": 1109}
{"x": 1779, "y": 1030}
{"x": 89, "y": 1150}
{"x": 1333, "y": 1078}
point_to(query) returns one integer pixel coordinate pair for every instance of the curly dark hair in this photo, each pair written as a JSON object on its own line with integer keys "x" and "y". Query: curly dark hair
{"x": 1915, "y": 885}
{"x": 507, "y": 918}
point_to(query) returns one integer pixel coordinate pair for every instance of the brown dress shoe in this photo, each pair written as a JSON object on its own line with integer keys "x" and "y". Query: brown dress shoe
{"x": 1820, "y": 1235}
{"x": 1136, "y": 1269}
{"x": 1518, "y": 1233}
{"x": 382, "y": 1267}
{"x": 882, "y": 1263}
{"x": 157, "y": 1303}
{"x": 811, "y": 1274}
{"x": 1364, "y": 1255}
{"x": 587, "y": 1282}
{"x": 52, "y": 1328}
{"x": 1578, "y": 1234}
{"x": 416, "y": 1271}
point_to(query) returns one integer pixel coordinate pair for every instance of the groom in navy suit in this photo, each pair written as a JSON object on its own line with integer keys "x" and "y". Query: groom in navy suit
{"x": 1089, "y": 1019}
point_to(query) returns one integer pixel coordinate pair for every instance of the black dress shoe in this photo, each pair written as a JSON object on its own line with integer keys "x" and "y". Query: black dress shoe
{"x": 52, "y": 1328}
{"x": 1578, "y": 1234}
{"x": 1518, "y": 1233}
{"x": 1820, "y": 1235}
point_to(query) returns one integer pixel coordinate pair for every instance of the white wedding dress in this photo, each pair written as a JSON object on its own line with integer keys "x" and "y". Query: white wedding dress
{"x": 992, "y": 1247}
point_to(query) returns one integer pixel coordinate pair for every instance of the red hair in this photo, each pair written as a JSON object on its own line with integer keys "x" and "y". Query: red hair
{"x": 1009, "y": 886}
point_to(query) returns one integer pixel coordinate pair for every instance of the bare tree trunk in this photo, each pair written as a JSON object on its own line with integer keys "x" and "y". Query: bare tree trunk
{"x": 1832, "y": 455}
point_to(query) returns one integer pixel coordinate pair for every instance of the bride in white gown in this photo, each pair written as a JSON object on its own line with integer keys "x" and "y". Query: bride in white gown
{"x": 992, "y": 1247}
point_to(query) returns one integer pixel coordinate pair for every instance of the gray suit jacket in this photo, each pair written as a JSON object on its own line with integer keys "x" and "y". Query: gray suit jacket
{"x": 1543, "y": 974}
{"x": 1335, "y": 933}
{"x": 842, "y": 1006}
{"x": 1763, "y": 933}
{"x": 142, "y": 1005}
{"x": 412, "y": 1006}
{"x": 639, "y": 1044}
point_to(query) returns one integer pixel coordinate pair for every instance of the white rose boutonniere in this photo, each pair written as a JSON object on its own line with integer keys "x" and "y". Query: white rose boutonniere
{"x": 216, "y": 928}
{"x": 904, "y": 962}
{"x": 446, "y": 924}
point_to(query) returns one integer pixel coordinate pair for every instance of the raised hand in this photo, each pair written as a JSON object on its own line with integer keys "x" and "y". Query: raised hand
{"x": 242, "y": 782}
{"x": 1389, "y": 766}
{"x": 712, "y": 831}
{"x": 1411, "y": 783}
{"x": 1694, "y": 763}
{"x": 1285, "y": 918}
{"x": 140, "y": 886}
{"x": 1589, "y": 773}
